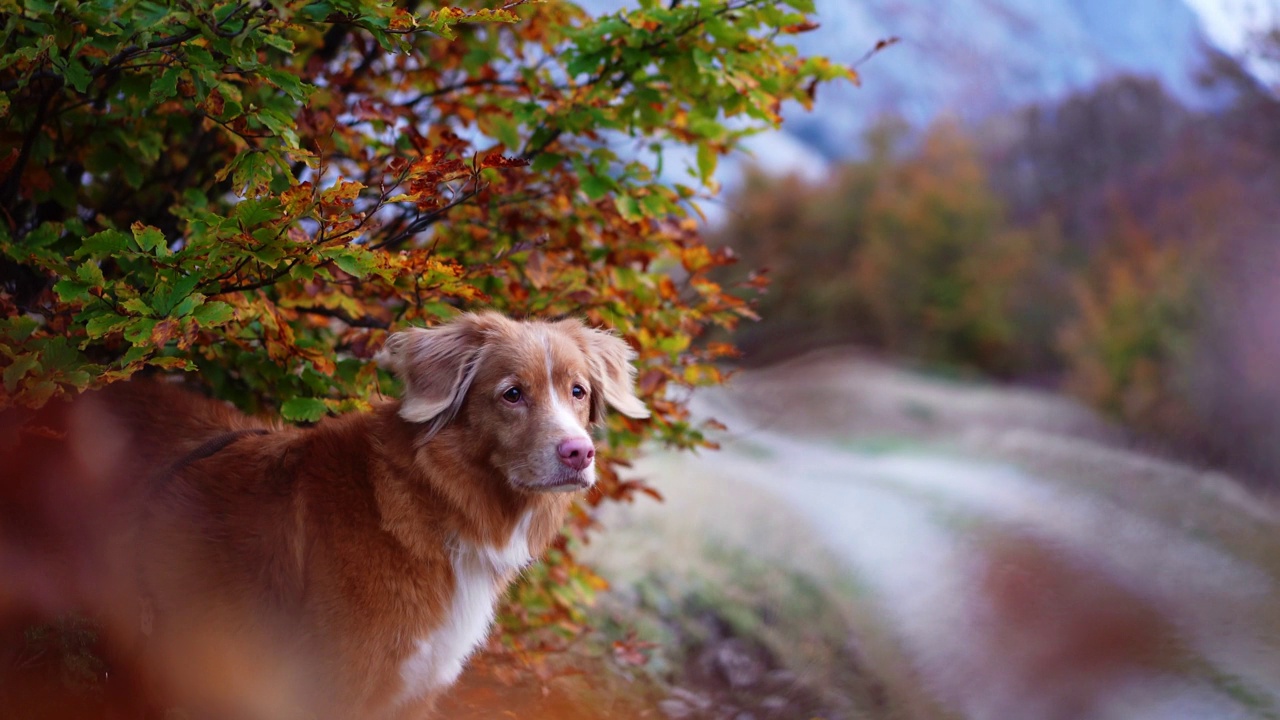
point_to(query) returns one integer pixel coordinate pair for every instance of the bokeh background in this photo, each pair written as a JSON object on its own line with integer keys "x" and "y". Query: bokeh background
{"x": 1073, "y": 195}
{"x": 1003, "y": 443}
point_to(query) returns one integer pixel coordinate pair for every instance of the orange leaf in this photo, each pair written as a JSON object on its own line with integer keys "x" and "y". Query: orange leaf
{"x": 798, "y": 28}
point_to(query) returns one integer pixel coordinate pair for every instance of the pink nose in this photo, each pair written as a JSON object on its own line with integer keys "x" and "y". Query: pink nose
{"x": 577, "y": 452}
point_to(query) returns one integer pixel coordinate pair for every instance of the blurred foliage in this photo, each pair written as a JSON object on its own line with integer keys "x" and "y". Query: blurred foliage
{"x": 1167, "y": 220}
{"x": 939, "y": 270}
{"x": 1128, "y": 344}
{"x": 258, "y": 192}
{"x": 70, "y": 646}
{"x": 907, "y": 250}
{"x": 1080, "y": 244}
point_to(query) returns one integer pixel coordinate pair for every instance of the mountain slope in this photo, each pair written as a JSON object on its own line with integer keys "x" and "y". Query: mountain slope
{"x": 973, "y": 58}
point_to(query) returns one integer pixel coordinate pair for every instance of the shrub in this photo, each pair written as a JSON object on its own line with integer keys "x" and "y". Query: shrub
{"x": 939, "y": 270}
{"x": 1129, "y": 343}
{"x": 255, "y": 192}
{"x": 904, "y": 251}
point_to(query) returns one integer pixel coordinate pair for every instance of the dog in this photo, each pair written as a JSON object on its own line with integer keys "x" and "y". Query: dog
{"x": 349, "y": 569}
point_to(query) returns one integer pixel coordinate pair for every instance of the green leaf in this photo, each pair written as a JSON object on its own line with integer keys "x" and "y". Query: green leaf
{"x": 303, "y": 409}
{"x": 168, "y": 362}
{"x": 583, "y": 64}
{"x": 656, "y": 205}
{"x": 294, "y": 88}
{"x": 595, "y": 186}
{"x": 104, "y": 324}
{"x": 131, "y": 171}
{"x": 17, "y": 329}
{"x": 628, "y": 208}
{"x": 105, "y": 243}
{"x": 214, "y": 313}
{"x": 59, "y": 355}
{"x": 166, "y": 297}
{"x": 358, "y": 263}
{"x": 252, "y": 173}
{"x": 90, "y": 274}
{"x": 38, "y": 393}
{"x": 150, "y": 147}
{"x": 77, "y": 76}
{"x": 256, "y": 211}
{"x": 138, "y": 330}
{"x": 43, "y": 236}
{"x": 280, "y": 125}
{"x": 546, "y": 161}
{"x": 149, "y": 239}
{"x": 707, "y": 159}
{"x": 166, "y": 86}
{"x": 134, "y": 354}
{"x": 278, "y": 42}
{"x": 137, "y": 307}
{"x": 504, "y": 129}
{"x": 70, "y": 291}
{"x": 17, "y": 369}
{"x": 186, "y": 305}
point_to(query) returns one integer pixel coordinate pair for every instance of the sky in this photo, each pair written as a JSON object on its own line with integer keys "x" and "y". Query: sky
{"x": 1228, "y": 22}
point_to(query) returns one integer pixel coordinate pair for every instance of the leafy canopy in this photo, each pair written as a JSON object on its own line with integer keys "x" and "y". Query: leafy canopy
{"x": 259, "y": 190}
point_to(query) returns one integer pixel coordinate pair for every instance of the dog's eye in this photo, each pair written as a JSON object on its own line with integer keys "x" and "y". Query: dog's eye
{"x": 579, "y": 392}
{"x": 513, "y": 395}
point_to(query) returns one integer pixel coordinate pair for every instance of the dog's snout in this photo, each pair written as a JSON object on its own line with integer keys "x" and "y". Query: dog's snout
{"x": 576, "y": 452}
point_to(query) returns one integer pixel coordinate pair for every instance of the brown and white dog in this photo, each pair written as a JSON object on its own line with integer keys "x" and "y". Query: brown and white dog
{"x": 349, "y": 569}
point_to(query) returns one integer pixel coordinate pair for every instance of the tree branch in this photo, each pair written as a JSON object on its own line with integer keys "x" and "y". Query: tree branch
{"x": 364, "y": 322}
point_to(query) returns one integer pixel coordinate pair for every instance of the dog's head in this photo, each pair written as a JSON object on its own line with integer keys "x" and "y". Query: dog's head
{"x": 521, "y": 394}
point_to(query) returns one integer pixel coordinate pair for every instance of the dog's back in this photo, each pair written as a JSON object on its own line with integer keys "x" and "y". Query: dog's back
{"x": 160, "y": 423}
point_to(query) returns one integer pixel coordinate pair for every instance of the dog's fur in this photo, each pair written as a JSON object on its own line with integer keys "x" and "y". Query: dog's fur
{"x": 349, "y": 569}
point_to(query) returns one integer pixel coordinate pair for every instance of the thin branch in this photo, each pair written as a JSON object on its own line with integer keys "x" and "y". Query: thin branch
{"x": 426, "y": 221}
{"x": 10, "y": 189}
{"x": 880, "y": 45}
{"x": 473, "y": 83}
{"x": 268, "y": 281}
{"x": 363, "y": 322}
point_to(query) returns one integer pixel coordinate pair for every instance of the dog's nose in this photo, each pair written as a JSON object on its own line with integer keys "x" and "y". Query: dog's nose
{"x": 576, "y": 452}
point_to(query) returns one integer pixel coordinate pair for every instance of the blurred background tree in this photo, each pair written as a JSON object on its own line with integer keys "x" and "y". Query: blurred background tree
{"x": 1114, "y": 243}
{"x": 908, "y": 250}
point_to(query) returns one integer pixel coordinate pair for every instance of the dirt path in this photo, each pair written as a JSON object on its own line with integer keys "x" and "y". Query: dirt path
{"x": 1021, "y": 564}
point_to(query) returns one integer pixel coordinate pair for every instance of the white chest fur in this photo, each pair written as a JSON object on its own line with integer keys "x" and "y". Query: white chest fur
{"x": 478, "y": 570}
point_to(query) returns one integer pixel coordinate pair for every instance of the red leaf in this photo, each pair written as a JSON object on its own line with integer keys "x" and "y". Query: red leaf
{"x": 798, "y": 28}
{"x": 494, "y": 160}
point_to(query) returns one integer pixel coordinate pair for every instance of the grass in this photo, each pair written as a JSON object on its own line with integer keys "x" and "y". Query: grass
{"x": 794, "y": 624}
{"x": 797, "y": 624}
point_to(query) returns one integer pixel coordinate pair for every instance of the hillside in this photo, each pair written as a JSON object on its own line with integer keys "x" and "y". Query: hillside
{"x": 973, "y": 58}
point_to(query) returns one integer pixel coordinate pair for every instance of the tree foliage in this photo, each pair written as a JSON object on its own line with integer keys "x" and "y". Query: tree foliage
{"x": 908, "y": 250}
{"x": 257, "y": 191}
{"x": 1128, "y": 345}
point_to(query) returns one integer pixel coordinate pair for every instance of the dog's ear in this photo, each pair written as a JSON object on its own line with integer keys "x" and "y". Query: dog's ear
{"x": 612, "y": 375}
{"x": 437, "y": 366}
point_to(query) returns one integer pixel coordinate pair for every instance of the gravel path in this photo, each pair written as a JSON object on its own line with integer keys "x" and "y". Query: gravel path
{"x": 1026, "y": 566}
